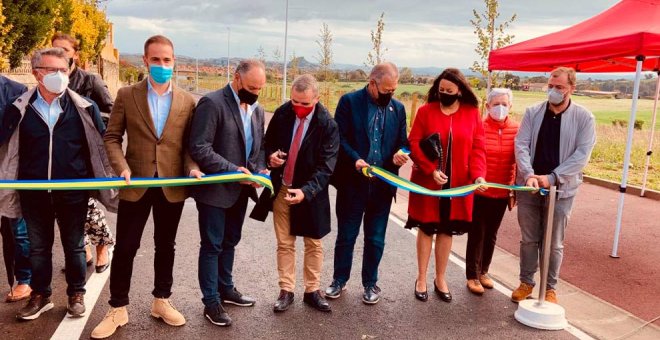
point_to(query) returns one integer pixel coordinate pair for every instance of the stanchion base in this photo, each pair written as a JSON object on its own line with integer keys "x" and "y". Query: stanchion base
{"x": 614, "y": 256}
{"x": 548, "y": 316}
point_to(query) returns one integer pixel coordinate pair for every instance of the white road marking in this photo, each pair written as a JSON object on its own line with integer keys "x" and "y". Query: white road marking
{"x": 72, "y": 328}
{"x": 499, "y": 287}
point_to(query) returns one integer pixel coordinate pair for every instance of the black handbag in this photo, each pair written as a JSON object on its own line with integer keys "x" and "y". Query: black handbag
{"x": 432, "y": 148}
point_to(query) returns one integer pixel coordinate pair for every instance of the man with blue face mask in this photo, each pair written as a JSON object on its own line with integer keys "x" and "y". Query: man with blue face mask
{"x": 553, "y": 146}
{"x": 155, "y": 115}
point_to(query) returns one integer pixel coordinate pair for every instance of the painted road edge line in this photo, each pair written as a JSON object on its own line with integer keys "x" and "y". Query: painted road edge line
{"x": 576, "y": 332}
{"x": 72, "y": 328}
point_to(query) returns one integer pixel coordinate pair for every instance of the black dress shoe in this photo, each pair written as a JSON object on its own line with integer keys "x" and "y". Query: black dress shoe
{"x": 421, "y": 296}
{"x": 236, "y": 298}
{"x": 217, "y": 315}
{"x": 334, "y": 290}
{"x": 102, "y": 268}
{"x": 446, "y": 297}
{"x": 371, "y": 295}
{"x": 284, "y": 301}
{"x": 76, "y": 305}
{"x": 316, "y": 300}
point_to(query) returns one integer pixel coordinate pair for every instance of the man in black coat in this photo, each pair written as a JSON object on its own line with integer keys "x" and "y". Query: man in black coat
{"x": 302, "y": 142}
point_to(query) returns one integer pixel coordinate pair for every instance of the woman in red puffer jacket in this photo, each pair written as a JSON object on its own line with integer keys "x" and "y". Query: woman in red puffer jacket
{"x": 490, "y": 205}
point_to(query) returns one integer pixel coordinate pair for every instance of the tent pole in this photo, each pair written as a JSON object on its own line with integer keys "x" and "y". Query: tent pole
{"x": 626, "y": 156}
{"x": 650, "y": 149}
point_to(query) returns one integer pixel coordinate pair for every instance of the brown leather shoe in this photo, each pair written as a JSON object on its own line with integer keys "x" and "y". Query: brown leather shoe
{"x": 284, "y": 301}
{"x": 37, "y": 305}
{"x": 551, "y": 296}
{"x": 486, "y": 281}
{"x": 76, "y": 305}
{"x": 113, "y": 319}
{"x": 522, "y": 292}
{"x": 22, "y": 291}
{"x": 475, "y": 287}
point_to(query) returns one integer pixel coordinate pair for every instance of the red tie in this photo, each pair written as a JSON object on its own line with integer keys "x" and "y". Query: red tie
{"x": 293, "y": 154}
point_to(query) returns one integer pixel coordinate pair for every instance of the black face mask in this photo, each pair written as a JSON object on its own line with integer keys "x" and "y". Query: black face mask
{"x": 246, "y": 96}
{"x": 383, "y": 98}
{"x": 447, "y": 99}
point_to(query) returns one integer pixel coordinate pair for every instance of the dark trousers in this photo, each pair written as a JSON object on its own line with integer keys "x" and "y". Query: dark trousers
{"x": 22, "y": 266}
{"x": 371, "y": 200}
{"x": 131, "y": 220}
{"x": 486, "y": 219}
{"x": 220, "y": 231}
{"x": 40, "y": 210}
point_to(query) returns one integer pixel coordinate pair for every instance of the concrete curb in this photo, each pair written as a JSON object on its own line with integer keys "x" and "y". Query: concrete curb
{"x": 630, "y": 189}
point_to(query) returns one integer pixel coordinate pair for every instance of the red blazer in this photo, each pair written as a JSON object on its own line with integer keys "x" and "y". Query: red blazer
{"x": 500, "y": 155}
{"x": 468, "y": 159}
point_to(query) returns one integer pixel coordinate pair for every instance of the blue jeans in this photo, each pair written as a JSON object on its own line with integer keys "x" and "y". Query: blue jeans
{"x": 22, "y": 267}
{"x": 40, "y": 209}
{"x": 372, "y": 200}
{"x": 220, "y": 231}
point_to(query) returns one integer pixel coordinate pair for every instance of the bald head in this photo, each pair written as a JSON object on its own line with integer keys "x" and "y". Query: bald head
{"x": 384, "y": 70}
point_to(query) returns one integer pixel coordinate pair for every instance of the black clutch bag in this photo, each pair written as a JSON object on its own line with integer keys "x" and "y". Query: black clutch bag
{"x": 432, "y": 148}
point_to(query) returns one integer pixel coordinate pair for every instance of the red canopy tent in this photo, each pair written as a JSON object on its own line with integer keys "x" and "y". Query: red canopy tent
{"x": 624, "y": 38}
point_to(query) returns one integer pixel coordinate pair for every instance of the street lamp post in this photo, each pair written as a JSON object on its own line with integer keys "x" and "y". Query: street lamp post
{"x": 228, "y": 44}
{"x": 286, "y": 28}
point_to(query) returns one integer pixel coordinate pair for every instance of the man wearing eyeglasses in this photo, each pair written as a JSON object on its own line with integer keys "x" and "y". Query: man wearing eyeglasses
{"x": 52, "y": 133}
{"x": 372, "y": 129}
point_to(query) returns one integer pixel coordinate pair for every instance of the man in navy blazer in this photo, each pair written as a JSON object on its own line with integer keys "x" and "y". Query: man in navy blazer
{"x": 372, "y": 129}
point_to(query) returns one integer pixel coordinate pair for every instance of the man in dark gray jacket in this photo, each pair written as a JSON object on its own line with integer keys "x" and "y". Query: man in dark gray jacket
{"x": 226, "y": 135}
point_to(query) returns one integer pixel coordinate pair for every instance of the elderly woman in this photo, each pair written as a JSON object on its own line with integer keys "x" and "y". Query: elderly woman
{"x": 451, "y": 124}
{"x": 490, "y": 205}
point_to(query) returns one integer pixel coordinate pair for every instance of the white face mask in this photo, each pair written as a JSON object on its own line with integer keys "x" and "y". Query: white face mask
{"x": 56, "y": 82}
{"x": 555, "y": 97}
{"x": 498, "y": 112}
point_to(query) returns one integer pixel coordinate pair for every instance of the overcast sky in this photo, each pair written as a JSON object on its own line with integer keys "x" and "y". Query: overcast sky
{"x": 417, "y": 33}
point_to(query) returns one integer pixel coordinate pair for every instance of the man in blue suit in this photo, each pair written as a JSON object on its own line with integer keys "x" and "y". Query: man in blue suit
{"x": 372, "y": 129}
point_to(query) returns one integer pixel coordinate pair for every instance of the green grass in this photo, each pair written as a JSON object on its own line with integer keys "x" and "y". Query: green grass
{"x": 607, "y": 158}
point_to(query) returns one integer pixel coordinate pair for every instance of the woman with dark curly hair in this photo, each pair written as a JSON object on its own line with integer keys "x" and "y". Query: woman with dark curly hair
{"x": 447, "y": 147}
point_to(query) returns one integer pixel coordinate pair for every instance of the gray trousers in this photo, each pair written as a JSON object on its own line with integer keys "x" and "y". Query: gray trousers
{"x": 532, "y": 215}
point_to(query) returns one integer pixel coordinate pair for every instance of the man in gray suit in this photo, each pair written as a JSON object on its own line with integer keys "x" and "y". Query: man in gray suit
{"x": 226, "y": 135}
{"x": 553, "y": 146}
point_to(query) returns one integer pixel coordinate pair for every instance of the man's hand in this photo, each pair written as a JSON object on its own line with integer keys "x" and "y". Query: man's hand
{"x": 544, "y": 182}
{"x": 295, "y": 196}
{"x": 196, "y": 173}
{"x": 439, "y": 177}
{"x": 361, "y": 164}
{"x": 274, "y": 159}
{"x": 245, "y": 171}
{"x": 481, "y": 180}
{"x": 400, "y": 159}
{"x": 127, "y": 176}
{"x": 533, "y": 182}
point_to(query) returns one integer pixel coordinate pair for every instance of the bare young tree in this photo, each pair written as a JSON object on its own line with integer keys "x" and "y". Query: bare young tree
{"x": 325, "y": 51}
{"x": 490, "y": 36}
{"x": 376, "y": 55}
{"x": 261, "y": 54}
{"x": 277, "y": 55}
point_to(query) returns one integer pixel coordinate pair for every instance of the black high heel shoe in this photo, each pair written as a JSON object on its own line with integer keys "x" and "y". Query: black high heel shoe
{"x": 446, "y": 297}
{"x": 421, "y": 296}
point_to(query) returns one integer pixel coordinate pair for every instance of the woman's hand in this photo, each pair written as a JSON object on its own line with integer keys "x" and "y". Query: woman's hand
{"x": 439, "y": 177}
{"x": 481, "y": 180}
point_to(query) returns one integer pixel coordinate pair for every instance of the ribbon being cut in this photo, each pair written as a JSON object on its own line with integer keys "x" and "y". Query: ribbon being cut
{"x": 120, "y": 183}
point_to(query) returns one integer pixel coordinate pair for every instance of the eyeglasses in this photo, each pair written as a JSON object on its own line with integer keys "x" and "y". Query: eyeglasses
{"x": 52, "y": 69}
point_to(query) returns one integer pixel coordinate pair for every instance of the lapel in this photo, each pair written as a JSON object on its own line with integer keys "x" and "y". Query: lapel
{"x": 235, "y": 112}
{"x": 390, "y": 128}
{"x": 175, "y": 109}
{"x": 313, "y": 124}
{"x": 254, "y": 123}
{"x": 289, "y": 121}
{"x": 364, "y": 111}
{"x": 142, "y": 104}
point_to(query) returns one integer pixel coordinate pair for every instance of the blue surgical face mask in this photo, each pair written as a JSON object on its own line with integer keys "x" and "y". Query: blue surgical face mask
{"x": 160, "y": 74}
{"x": 555, "y": 97}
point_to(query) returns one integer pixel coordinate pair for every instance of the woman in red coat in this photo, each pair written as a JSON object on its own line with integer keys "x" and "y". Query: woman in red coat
{"x": 490, "y": 205}
{"x": 452, "y": 114}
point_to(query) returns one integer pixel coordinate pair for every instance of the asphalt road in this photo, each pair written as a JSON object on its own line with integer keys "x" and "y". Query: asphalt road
{"x": 397, "y": 316}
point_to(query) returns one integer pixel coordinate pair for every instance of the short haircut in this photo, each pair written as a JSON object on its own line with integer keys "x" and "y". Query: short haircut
{"x": 382, "y": 70}
{"x": 246, "y": 65}
{"x": 568, "y": 71}
{"x": 157, "y": 39}
{"x": 58, "y": 52}
{"x": 305, "y": 82}
{"x": 499, "y": 91}
{"x": 63, "y": 36}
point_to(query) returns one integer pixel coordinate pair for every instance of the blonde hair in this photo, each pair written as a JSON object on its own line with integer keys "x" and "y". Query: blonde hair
{"x": 568, "y": 71}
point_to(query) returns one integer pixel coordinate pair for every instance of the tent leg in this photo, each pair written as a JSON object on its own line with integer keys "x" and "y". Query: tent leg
{"x": 650, "y": 149}
{"x": 626, "y": 156}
